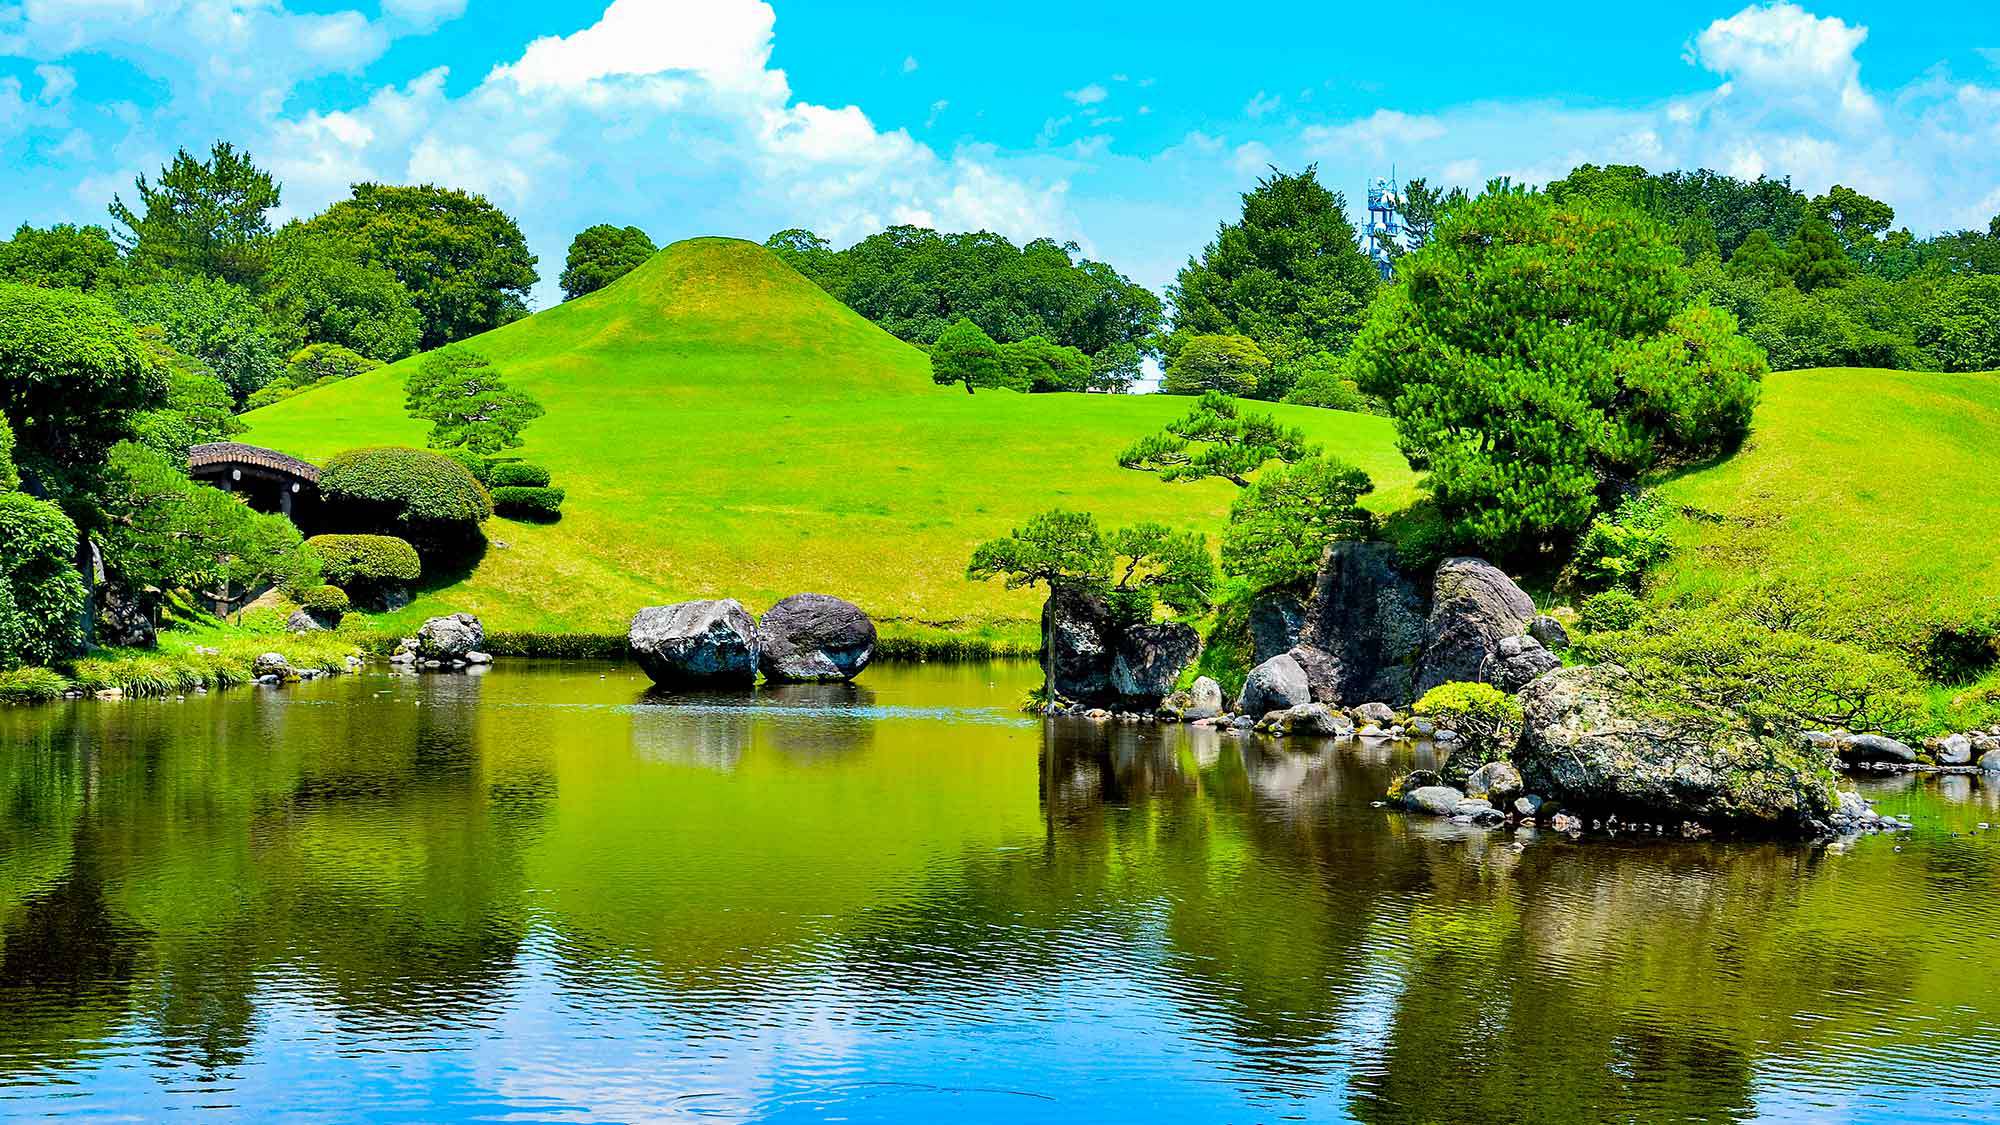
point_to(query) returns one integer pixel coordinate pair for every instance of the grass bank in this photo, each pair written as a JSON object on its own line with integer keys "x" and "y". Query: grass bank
{"x": 192, "y": 656}
{"x": 724, "y": 428}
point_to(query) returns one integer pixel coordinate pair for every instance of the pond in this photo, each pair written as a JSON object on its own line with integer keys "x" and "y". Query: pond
{"x": 541, "y": 894}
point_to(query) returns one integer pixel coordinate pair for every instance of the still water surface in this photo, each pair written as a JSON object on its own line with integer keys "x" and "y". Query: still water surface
{"x": 542, "y": 895}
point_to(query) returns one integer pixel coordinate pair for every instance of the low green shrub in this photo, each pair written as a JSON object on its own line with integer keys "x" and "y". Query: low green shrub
{"x": 427, "y": 498}
{"x": 517, "y": 474}
{"x": 528, "y": 503}
{"x": 1486, "y": 720}
{"x": 1619, "y": 548}
{"x": 1612, "y": 611}
{"x": 480, "y": 466}
{"x": 1719, "y": 662}
{"x": 366, "y": 562}
{"x": 324, "y": 601}
{"x": 32, "y": 685}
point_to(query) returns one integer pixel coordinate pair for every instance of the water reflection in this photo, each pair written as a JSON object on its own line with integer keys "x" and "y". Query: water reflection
{"x": 548, "y": 893}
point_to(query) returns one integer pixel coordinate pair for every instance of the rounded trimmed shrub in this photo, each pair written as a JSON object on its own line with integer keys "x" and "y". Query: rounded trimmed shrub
{"x": 365, "y": 561}
{"x": 1612, "y": 611}
{"x": 480, "y": 468}
{"x": 528, "y": 503}
{"x": 517, "y": 474}
{"x": 324, "y": 601}
{"x": 432, "y": 500}
{"x": 41, "y": 594}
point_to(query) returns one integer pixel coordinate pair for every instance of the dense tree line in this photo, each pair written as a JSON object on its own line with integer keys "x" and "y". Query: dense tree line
{"x": 918, "y": 283}
{"x": 1820, "y": 281}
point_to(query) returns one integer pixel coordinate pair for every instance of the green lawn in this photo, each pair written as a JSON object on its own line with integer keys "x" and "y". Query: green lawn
{"x": 1879, "y": 488}
{"x": 724, "y": 428}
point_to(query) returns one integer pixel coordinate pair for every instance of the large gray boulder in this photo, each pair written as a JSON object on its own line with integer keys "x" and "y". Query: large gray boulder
{"x": 1437, "y": 800}
{"x": 1204, "y": 699}
{"x": 450, "y": 638}
{"x": 814, "y": 638}
{"x": 1474, "y": 607}
{"x": 1098, "y": 660}
{"x": 1520, "y": 660}
{"x": 1364, "y": 630}
{"x": 1588, "y": 744}
{"x": 1868, "y": 748}
{"x": 1277, "y": 617}
{"x": 1278, "y": 684}
{"x": 696, "y": 644}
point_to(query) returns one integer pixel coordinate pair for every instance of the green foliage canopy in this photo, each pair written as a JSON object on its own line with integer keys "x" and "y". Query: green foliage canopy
{"x": 1281, "y": 526}
{"x": 1538, "y": 355}
{"x": 319, "y": 293}
{"x": 1231, "y": 364}
{"x": 463, "y": 260}
{"x": 1217, "y": 439}
{"x": 1151, "y": 563}
{"x": 63, "y": 256}
{"x": 207, "y": 218}
{"x": 424, "y": 497}
{"x": 74, "y": 379}
{"x": 214, "y": 322}
{"x": 602, "y": 254}
{"x": 165, "y": 531}
{"x": 1290, "y": 273}
{"x": 1057, "y": 549}
{"x": 966, "y": 355}
{"x": 41, "y": 593}
{"x": 467, "y": 403}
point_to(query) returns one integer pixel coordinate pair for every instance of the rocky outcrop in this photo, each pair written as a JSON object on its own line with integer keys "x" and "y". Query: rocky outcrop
{"x": 1278, "y": 684}
{"x": 1474, "y": 607}
{"x": 814, "y": 638}
{"x": 1364, "y": 630}
{"x": 449, "y": 639}
{"x": 1098, "y": 660}
{"x": 696, "y": 643}
{"x": 1588, "y": 746}
{"x": 122, "y": 621}
{"x": 1276, "y": 619}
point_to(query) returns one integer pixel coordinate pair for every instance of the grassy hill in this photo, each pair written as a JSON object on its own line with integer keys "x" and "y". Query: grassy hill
{"x": 1877, "y": 488}
{"x": 724, "y": 428}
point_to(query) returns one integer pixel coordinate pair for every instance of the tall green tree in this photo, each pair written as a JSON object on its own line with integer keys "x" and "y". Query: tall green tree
{"x": 209, "y": 218}
{"x": 1152, "y": 563}
{"x": 1289, "y": 273}
{"x": 1857, "y": 220}
{"x": 1217, "y": 440}
{"x": 602, "y": 254}
{"x": 967, "y": 356}
{"x": 62, "y": 256}
{"x": 1817, "y": 258}
{"x": 1539, "y": 356}
{"x": 467, "y": 403}
{"x": 1281, "y": 526}
{"x": 1760, "y": 259}
{"x": 213, "y": 321}
{"x": 74, "y": 379}
{"x": 320, "y": 293}
{"x": 1058, "y": 550}
{"x": 463, "y": 260}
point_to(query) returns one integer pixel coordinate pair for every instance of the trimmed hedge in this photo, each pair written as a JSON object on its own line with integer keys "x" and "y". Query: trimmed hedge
{"x": 528, "y": 503}
{"x": 324, "y": 601}
{"x": 426, "y": 497}
{"x": 558, "y": 646}
{"x": 517, "y": 474}
{"x": 350, "y": 560}
{"x": 480, "y": 467}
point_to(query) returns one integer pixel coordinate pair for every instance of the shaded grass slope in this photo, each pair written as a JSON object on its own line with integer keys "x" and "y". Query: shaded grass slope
{"x": 725, "y": 428}
{"x": 1877, "y": 491}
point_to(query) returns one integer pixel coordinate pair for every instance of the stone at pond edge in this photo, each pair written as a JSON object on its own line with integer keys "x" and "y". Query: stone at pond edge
{"x": 1278, "y": 684}
{"x": 1364, "y": 631}
{"x": 271, "y": 664}
{"x": 1099, "y": 660}
{"x": 696, "y": 643}
{"x": 1498, "y": 782}
{"x": 1955, "y": 750}
{"x": 811, "y": 638}
{"x": 122, "y": 622}
{"x": 1437, "y": 800}
{"x": 1474, "y": 607}
{"x": 1589, "y": 745}
{"x": 1381, "y": 714}
{"x": 1875, "y": 748}
{"x": 450, "y": 637}
{"x": 1990, "y": 761}
{"x": 1204, "y": 699}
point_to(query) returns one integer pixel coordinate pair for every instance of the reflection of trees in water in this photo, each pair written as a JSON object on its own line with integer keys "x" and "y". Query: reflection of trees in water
{"x": 714, "y": 730}
{"x": 376, "y": 845}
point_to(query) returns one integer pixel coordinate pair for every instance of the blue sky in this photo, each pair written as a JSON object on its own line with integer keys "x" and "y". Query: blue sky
{"x": 1129, "y": 128}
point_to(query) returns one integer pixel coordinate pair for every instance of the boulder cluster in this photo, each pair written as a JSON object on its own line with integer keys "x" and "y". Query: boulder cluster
{"x": 1976, "y": 751}
{"x": 451, "y": 641}
{"x": 1368, "y": 631}
{"x": 1097, "y": 661}
{"x": 806, "y": 638}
